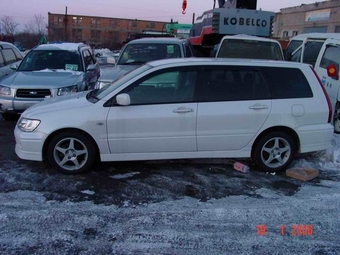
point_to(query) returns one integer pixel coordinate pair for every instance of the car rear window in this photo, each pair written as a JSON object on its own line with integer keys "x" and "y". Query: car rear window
{"x": 286, "y": 83}
{"x": 254, "y": 49}
{"x": 145, "y": 52}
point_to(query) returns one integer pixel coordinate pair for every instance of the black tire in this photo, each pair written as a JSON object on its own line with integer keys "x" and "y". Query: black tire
{"x": 274, "y": 152}
{"x": 10, "y": 117}
{"x": 71, "y": 152}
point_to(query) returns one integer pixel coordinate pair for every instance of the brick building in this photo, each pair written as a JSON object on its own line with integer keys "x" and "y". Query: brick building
{"x": 306, "y": 18}
{"x": 97, "y": 31}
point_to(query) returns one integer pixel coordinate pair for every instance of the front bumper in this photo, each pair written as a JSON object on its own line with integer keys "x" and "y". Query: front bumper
{"x": 29, "y": 145}
{"x": 10, "y": 105}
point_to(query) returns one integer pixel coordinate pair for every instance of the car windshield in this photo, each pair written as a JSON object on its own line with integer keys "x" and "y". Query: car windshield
{"x": 101, "y": 93}
{"x": 237, "y": 48}
{"x": 37, "y": 60}
{"x": 145, "y": 52}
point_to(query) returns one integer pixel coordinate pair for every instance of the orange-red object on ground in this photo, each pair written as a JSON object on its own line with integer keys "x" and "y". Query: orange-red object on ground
{"x": 184, "y": 6}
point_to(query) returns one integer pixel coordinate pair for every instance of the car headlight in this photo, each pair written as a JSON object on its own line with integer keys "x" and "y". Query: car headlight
{"x": 5, "y": 90}
{"x": 102, "y": 84}
{"x": 67, "y": 90}
{"x": 28, "y": 125}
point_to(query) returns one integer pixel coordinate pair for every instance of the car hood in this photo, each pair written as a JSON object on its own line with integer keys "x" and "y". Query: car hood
{"x": 67, "y": 102}
{"x": 112, "y": 74}
{"x": 43, "y": 79}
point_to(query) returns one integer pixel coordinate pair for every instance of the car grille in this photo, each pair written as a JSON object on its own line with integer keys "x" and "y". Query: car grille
{"x": 33, "y": 93}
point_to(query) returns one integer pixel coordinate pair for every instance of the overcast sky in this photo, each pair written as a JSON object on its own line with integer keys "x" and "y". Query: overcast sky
{"x": 22, "y": 11}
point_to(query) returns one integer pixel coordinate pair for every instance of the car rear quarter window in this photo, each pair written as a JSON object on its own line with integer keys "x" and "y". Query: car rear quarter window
{"x": 232, "y": 83}
{"x": 286, "y": 82}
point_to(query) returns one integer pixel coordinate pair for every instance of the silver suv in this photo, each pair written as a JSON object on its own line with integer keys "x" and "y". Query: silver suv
{"x": 139, "y": 51}
{"x": 49, "y": 70}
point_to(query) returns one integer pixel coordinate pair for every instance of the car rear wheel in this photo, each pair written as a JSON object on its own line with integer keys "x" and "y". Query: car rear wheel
{"x": 71, "y": 152}
{"x": 274, "y": 152}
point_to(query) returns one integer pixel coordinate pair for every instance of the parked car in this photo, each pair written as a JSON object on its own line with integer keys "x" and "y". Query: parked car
{"x": 49, "y": 70}
{"x": 9, "y": 54}
{"x": 248, "y": 46}
{"x": 184, "y": 108}
{"x": 105, "y": 58}
{"x": 321, "y": 50}
{"x": 138, "y": 52}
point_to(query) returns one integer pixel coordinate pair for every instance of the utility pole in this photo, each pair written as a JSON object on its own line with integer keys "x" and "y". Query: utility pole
{"x": 65, "y": 20}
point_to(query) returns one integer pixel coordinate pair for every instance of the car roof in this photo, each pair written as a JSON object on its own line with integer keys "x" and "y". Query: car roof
{"x": 6, "y": 43}
{"x": 249, "y": 37}
{"x": 225, "y": 61}
{"x": 60, "y": 46}
{"x": 157, "y": 40}
{"x": 316, "y": 36}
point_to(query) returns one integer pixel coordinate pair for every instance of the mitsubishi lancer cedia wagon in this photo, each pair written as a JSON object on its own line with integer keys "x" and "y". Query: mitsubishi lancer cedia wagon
{"x": 184, "y": 108}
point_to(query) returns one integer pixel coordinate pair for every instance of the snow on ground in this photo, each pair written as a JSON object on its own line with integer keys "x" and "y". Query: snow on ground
{"x": 30, "y": 224}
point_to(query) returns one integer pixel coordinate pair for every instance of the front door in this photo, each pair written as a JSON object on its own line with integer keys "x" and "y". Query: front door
{"x": 161, "y": 117}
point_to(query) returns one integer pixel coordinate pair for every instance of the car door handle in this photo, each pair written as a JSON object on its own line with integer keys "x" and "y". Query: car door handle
{"x": 258, "y": 107}
{"x": 183, "y": 110}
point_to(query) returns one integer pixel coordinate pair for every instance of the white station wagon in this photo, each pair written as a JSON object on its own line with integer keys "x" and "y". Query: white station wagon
{"x": 184, "y": 108}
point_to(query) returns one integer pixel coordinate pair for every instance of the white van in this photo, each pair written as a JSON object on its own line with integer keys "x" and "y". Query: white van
{"x": 248, "y": 46}
{"x": 322, "y": 51}
{"x": 305, "y": 48}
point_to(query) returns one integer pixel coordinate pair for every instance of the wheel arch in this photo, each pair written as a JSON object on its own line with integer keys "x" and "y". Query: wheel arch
{"x": 283, "y": 129}
{"x": 49, "y": 138}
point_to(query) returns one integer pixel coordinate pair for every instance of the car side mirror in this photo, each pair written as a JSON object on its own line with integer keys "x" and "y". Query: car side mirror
{"x": 98, "y": 55}
{"x": 332, "y": 72}
{"x": 123, "y": 99}
{"x": 13, "y": 67}
{"x": 91, "y": 67}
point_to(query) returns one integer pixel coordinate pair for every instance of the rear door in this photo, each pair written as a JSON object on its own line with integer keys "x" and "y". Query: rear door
{"x": 233, "y": 106}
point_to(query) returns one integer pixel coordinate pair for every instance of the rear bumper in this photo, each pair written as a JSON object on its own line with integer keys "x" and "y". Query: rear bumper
{"x": 315, "y": 137}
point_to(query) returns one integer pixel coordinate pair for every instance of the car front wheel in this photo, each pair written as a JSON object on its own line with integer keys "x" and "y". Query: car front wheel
{"x": 274, "y": 152}
{"x": 71, "y": 152}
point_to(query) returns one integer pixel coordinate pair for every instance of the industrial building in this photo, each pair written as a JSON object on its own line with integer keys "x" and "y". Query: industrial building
{"x": 98, "y": 31}
{"x": 317, "y": 17}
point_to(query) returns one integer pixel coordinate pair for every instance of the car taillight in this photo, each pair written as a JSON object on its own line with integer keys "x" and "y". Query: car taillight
{"x": 326, "y": 95}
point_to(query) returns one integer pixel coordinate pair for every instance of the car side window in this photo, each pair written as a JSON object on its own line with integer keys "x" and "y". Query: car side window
{"x": 188, "y": 52}
{"x": 17, "y": 54}
{"x": 296, "y": 56}
{"x": 87, "y": 58}
{"x": 9, "y": 56}
{"x": 331, "y": 56}
{"x": 286, "y": 83}
{"x": 232, "y": 84}
{"x": 311, "y": 52}
{"x": 1, "y": 60}
{"x": 166, "y": 86}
